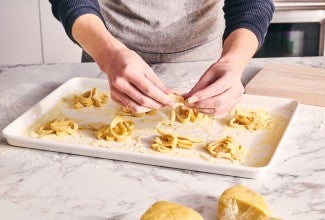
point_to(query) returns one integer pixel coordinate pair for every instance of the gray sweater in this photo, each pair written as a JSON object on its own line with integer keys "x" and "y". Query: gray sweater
{"x": 171, "y": 30}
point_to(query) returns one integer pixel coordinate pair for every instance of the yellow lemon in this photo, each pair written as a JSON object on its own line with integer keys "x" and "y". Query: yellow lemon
{"x": 240, "y": 203}
{"x": 163, "y": 210}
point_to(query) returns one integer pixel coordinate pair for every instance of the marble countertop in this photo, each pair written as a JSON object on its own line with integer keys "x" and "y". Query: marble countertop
{"x": 47, "y": 185}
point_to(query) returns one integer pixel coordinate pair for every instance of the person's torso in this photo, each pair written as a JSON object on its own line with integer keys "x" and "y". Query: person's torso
{"x": 165, "y": 27}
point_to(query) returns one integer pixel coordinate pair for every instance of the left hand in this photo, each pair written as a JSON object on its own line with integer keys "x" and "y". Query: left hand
{"x": 217, "y": 91}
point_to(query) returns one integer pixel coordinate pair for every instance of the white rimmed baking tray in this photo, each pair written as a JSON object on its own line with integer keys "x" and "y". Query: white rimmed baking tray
{"x": 262, "y": 146}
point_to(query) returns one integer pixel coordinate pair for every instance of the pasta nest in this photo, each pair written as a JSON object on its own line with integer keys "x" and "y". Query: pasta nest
{"x": 167, "y": 142}
{"x": 188, "y": 115}
{"x": 90, "y": 98}
{"x": 59, "y": 127}
{"x": 118, "y": 130}
{"x": 251, "y": 120}
{"x": 226, "y": 148}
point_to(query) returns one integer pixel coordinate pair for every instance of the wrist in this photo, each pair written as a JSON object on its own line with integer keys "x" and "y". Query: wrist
{"x": 91, "y": 34}
{"x": 105, "y": 53}
{"x": 233, "y": 61}
{"x": 239, "y": 47}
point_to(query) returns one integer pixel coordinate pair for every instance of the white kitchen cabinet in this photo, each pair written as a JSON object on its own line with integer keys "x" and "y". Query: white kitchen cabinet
{"x": 30, "y": 34}
{"x": 20, "y": 39}
{"x": 57, "y": 47}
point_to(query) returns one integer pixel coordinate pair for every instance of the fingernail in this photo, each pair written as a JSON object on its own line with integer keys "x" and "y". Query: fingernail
{"x": 207, "y": 111}
{"x": 172, "y": 105}
{"x": 170, "y": 91}
{"x": 184, "y": 107}
{"x": 142, "y": 109}
{"x": 157, "y": 106}
{"x": 192, "y": 99}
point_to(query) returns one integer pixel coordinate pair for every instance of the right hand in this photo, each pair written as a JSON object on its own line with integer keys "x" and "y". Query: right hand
{"x": 134, "y": 84}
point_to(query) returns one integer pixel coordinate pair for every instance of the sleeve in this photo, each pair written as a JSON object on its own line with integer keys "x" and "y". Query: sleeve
{"x": 254, "y": 15}
{"x": 67, "y": 11}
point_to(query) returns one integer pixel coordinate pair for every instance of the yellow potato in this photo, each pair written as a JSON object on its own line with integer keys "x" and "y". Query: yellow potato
{"x": 163, "y": 210}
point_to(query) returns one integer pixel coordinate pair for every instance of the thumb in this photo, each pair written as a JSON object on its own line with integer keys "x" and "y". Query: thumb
{"x": 151, "y": 75}
{"x": 206, "y": 79}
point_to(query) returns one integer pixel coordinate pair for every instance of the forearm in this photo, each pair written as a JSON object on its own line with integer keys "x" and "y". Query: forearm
{"x": 67, "y": 11}
{"x": 239, "y": 47}
{"x": 84, "y": 24}
{"x": 246, "y": 26}
{"x": 253, "y": 15}
{"x": 91, "y": 34}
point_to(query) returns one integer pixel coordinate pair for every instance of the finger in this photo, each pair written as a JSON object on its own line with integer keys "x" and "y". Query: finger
{"x": 125, "y": 101}
{"x": 150, "y": 74}
{"x": 216, "y": 88}
{"x": 131, "y": 91}
{"x": 139, "y": 97}
{"x": 207, "y": 78}
{"x": 151, "y": 90}
{"x": 219, "y": 100}
{"x": 221, "y": 110}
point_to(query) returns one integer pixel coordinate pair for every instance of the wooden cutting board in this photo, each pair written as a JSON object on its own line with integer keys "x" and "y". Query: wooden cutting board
{"x": 305, "y": 84}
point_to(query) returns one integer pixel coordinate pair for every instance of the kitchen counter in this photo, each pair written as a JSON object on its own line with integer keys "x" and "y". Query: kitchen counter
{"x": 47, "y": 185}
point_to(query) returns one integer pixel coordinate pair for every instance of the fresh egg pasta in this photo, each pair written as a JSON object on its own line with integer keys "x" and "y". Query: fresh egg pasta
{"x": 226, "y": 148}
{"x": 59, "y": 127}
{"x": 188, "y": 115}
{"x": 89, "y": 98}
{"x": 127, "y": 112}
{"x": 119, "y": 130}
{"x": 251, "y": 120}
{"x": 167, "y": 142}
{"x": 182, "y": 114}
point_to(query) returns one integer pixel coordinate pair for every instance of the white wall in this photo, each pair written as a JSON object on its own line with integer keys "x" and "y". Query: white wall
{"x": 29, "y": 34}
{"x": 20, "y": 32}
{"x": 57, "y": 47}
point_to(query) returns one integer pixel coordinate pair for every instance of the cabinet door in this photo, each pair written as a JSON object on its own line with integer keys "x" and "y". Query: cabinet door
{"x": 20, "y": 38}
{"x": 57, "y": 47}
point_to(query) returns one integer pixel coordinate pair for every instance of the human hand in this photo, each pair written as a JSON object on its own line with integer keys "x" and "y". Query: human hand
{"x": 133, "y": 83}
{"x": 217, "y": 91}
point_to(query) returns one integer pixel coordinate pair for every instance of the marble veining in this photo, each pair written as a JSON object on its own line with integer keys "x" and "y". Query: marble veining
{"x": 48, "y": 185}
